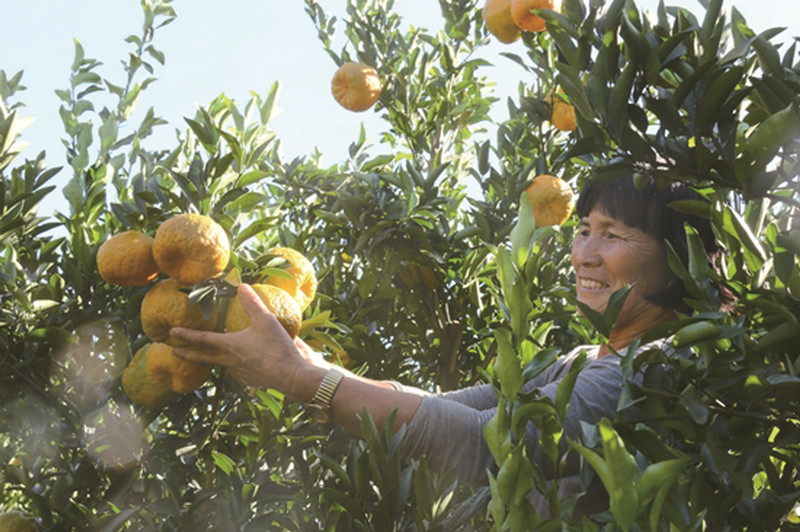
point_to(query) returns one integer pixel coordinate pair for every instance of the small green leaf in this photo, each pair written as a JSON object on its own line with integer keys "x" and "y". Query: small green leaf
{"x": 223, "y": 461}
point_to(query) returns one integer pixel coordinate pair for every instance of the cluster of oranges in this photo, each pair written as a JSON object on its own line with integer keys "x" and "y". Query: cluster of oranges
{"x": 189, "y": 249}
{"x": 506, "y": 20}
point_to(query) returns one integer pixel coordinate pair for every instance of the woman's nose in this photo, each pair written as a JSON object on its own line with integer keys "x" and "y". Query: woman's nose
{"x": 587, "y": 253}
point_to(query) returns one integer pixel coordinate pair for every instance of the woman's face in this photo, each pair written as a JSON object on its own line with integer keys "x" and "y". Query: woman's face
{"x": 607, "y": 255}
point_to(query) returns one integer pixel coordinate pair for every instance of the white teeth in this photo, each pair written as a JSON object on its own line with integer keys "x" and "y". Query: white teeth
{"x": 591, "y": 284}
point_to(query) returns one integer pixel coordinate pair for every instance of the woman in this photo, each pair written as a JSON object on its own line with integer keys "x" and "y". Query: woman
{"x": 620, "y": 242}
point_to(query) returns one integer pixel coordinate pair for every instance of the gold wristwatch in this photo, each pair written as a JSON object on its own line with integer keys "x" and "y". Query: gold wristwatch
{"x": 319, "y": 407}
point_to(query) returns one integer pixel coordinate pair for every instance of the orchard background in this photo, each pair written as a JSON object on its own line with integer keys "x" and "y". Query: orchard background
{"x": 694, "y": 96}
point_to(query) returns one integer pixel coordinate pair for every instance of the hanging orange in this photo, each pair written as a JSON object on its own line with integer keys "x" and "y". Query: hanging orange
{"x": 126, "y": 259}
{"x": 551, "y": 200}
{"x": 356, "y": 86}
{"x": 497, "y": 16}
{"x": 527, "y": 21}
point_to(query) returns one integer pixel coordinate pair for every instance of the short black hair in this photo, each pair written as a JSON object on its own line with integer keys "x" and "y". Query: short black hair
{"x": 647, "y": 207}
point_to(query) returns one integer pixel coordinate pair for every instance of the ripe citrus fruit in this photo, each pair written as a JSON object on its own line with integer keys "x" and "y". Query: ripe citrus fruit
{"x": 143, "y": 387}
{"x": 303, "y": 284}
{"x": 278, "y": 301}
{"x": 16, "y": 521}
{"x": 126, "y": 259}
{"x": 497, "y": 16}
{"x": 191, "y": 248}
{"x": 551, "y": 200}
{"x": 179, "y": 375}
{"x": 165, "y": 306}
{"x": 527, "y": 21}
{"x": 356, "y": 86}
{"x": 563, "y": 116}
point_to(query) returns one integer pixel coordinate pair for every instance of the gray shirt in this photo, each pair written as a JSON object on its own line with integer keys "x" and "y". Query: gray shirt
{"x": 448, "y": 427}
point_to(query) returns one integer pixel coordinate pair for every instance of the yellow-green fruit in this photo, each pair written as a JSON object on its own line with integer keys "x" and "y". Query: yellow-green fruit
{"x": 303, "y": 282}
{"x": 16, "y": 521}
{"x": 278, "y": 301}
{"x": 143, "y": 387}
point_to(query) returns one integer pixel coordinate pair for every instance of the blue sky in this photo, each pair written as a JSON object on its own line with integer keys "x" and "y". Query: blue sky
{"x": 232, "y": 47}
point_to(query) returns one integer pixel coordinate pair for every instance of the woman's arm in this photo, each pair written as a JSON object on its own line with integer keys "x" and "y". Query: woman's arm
{"x": 264, "y": 355}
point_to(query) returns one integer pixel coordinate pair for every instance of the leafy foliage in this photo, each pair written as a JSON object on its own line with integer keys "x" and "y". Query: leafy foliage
{"x": 431, "y": 273}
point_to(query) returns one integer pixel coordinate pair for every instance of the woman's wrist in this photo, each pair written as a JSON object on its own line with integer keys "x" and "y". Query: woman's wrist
{"x": 303, "y": 383}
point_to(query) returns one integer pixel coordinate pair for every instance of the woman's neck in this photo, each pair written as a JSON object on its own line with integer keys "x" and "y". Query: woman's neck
{"x": 624, "y": 334}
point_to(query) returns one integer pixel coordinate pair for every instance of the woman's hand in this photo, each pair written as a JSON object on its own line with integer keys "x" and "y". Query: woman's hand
{"x": 261, "y": 355}
{"x": 265, "y": 355}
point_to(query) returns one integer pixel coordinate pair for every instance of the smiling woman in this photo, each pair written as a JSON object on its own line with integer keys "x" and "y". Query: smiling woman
{"x": 620, "y": 242}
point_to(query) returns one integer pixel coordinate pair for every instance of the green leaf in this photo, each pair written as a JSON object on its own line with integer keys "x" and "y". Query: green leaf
{"x": 497, "y": 433}
{"x": 763, "y": 144}
{"x": 620, "y": 482}
{"x": 656, "y": 482}
{"x": 699, "y": 331}
{"x": 717, "y": 95}
{"x": 737, "y": 227}
{"x": 698, "y": 258}
{"x": 523, "y": 231}
{"x": 268, "y": 107}
{"x": 507, "y": 365}
{"x": 697, "y": 409}
{"x": 567, "y": 384}
{"x": 223, "y": 461}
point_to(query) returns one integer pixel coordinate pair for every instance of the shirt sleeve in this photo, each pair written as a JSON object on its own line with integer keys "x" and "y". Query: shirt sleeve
{"x": 449, "y": 432}
{"x": 480, "y": 397}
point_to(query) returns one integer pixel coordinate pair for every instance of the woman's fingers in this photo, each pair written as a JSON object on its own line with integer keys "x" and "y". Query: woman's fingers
{"x": 200, "y": 339}
{"x": 197, "y": 356}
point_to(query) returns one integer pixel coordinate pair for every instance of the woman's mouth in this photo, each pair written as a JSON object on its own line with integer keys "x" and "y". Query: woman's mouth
{"x": 591, "y": 284}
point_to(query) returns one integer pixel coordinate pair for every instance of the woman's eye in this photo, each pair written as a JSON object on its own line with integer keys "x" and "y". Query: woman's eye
{"x": 612, "y": 236}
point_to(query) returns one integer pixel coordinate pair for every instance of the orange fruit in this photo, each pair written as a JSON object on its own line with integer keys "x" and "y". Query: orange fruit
{"x": 180, "y": 375}
{"x": 497, "y": 16}
{"x": 191, "y": 248}
{"x": 563, "y": 116}
{"x": 356, "y": 86}
{"x": 303, "y": 282}
{"x": 551, "y": 200}
{"x": 278, "y": 301}
{"x": 165, "y": 306}
{"x": 527, "y": 21}
{"x": 126, "y": 259}
{"x": 16, "y": 521}
{"x": 143, "y": 387}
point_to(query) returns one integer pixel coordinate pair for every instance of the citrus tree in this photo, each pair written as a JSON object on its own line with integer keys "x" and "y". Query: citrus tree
{"x": 431, "y": 271}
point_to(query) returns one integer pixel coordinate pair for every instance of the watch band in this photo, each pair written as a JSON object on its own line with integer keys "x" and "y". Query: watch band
{"x": 319, "y": 407}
